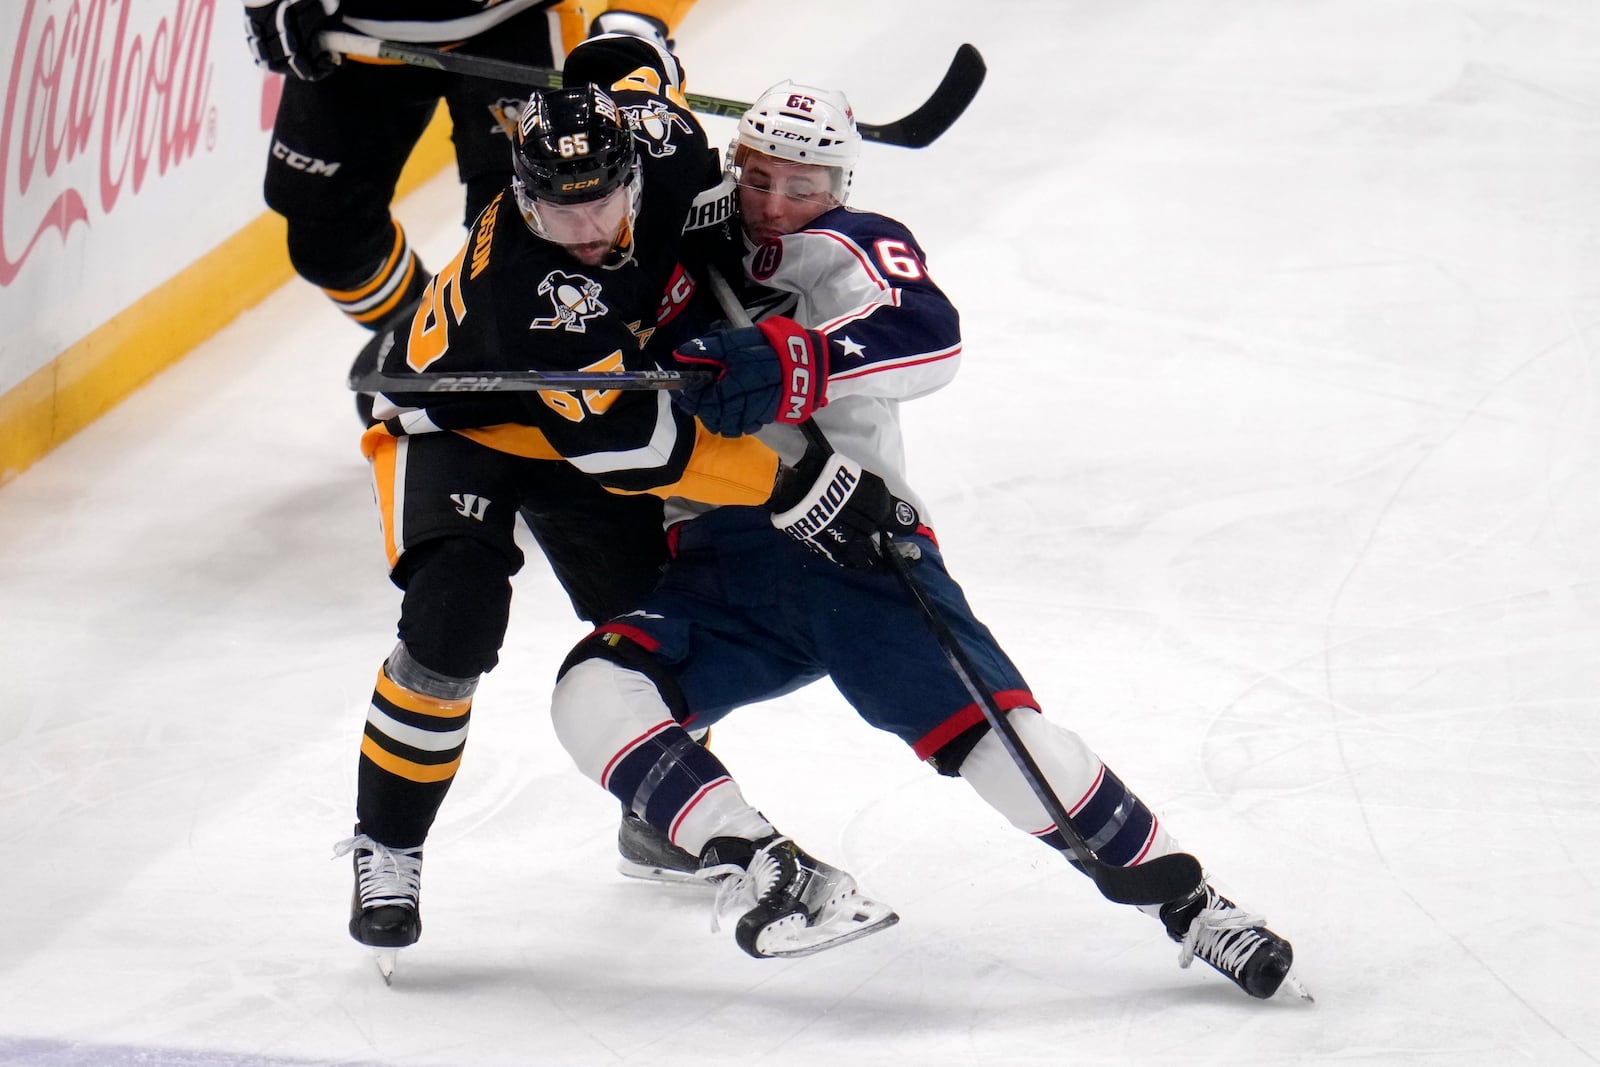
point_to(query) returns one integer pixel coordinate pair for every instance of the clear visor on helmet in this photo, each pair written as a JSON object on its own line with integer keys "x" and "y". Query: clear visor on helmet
{"x": 606, "y": 219}
{"x": 756, "y": 172}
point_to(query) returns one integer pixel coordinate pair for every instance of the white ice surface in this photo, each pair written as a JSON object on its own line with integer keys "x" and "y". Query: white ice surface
{"x": 1274, "y": 462}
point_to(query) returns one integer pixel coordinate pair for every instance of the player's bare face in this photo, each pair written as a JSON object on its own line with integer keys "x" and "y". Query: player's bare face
{"x": 588, "y": 230}
{"x": 778, "y": 197}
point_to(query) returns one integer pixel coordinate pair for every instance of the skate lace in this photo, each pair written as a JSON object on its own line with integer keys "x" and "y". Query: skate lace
{"x": 739, "y": 890}
{"x": 384, "y": 875}
{"x": 1223, "y": 937}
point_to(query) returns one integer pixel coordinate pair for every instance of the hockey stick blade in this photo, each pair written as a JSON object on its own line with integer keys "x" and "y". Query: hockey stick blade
{"x": 939, "y": 112}
{"x": 916, "y": 130}
{"x": 524, "y": 381}
{"x": 1155, "y": 881}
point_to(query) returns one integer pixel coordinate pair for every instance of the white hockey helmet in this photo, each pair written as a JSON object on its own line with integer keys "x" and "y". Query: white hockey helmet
{"x": 802, "y": 124}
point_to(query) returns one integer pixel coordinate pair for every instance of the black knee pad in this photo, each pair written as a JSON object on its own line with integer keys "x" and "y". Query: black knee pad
{"x": 947, "y": 760}
{"x": 627, "y": 654}
{"x": 456, "y": 606}
{"x": 340, "y": 253}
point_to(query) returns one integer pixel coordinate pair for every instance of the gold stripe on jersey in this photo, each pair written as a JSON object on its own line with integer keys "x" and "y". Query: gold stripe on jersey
{"x": 529, "y": 442}
{"x": 720, "y": 470}
{"x": 513, "y": 438}
{"x": 725, "y": 470}
{"x": 576, "y": 15}
{"x": 648, "y": 80}
{"x": 383, "y": 450}
{"x": 573, "y": 18}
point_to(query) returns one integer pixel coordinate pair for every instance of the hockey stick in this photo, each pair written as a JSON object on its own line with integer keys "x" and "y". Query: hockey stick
{"x": 367, "y": 377}
{"x": 1156, "y": 881}
{"x": 916, "y": 130}
{"x": 527, "y": 381}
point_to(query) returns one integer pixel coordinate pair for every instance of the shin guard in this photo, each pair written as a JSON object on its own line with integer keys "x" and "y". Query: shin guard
{"x": 617, "y": 728}
{"x": 1116, "y": 824}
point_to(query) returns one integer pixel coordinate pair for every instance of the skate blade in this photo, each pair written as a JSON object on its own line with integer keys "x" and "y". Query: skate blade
{"x": 1292, "y": 986}
{"x": 385, "y": 959}
{"x": 649, "y": 872}
{"x": 847, "y": 920}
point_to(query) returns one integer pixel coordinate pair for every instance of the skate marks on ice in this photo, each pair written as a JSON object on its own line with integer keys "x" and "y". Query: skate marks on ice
{"x": 40, "y": 1053}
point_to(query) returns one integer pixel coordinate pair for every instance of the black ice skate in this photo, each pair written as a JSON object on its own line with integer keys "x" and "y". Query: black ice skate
{"x": 1236, "y": 943}
{"x": 793, "y": 904}
{"x": 645, "y": 852}
{"x": 385, "y": 909}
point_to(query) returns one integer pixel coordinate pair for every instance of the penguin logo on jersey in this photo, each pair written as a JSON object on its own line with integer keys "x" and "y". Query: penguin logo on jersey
{"x": 576, "y": 300}
{"x": 654, "y": 123}
{"x": 505, "y": 112}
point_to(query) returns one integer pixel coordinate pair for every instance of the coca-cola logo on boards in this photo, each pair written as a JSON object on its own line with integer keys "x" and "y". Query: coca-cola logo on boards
{"x": 91, "y": 103}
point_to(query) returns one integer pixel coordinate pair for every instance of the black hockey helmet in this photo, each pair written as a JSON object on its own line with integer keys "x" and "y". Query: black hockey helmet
{"x": 571, "y": 145}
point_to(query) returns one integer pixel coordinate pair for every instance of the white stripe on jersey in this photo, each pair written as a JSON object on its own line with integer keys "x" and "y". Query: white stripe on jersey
{"x": 647, "y": 457}
{"x": 440, "y": 32}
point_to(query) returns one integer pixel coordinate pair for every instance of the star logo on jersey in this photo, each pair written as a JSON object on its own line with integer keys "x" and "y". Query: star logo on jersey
{"x": 654, "y": 122}
{"x": 852, "y": 348}
{"x": 576, "y": 300}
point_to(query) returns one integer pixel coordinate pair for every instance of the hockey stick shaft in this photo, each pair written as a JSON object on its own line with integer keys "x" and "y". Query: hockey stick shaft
{"x": 1156, "y": 881}
{"x": 524, "y": 381}
{"x": 916, "y": 130}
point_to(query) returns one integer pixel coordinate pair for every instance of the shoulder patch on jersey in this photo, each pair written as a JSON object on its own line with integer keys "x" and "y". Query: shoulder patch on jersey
{"x": 655, "y": 124}
{"x": 505, "y": 112}
{"x": 576, "y": 299}
{"x": 765, "y": 260}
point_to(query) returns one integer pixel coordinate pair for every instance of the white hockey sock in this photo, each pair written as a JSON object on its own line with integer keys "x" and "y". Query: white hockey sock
{"x": 1072, "y": 769}
{"x": 723, "y": 812}
{"x": 602, "y": 712}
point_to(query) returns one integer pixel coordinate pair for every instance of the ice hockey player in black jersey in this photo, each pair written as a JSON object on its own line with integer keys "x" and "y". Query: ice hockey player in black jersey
{"x": 342, "y": 133}
{"x": 851, "y": 325}
{"x": 575, "y": 266}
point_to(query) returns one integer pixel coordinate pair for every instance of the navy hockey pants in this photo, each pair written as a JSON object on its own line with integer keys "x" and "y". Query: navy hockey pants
{"x": 743, "y": 613}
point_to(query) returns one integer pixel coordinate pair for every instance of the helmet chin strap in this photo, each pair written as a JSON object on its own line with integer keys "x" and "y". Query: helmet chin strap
{"x": 621, "y": 253}
{"x": 622, "y": 246}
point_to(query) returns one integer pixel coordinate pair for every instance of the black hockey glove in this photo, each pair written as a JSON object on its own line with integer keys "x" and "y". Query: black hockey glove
{"x": 836, "y": 509}
{"x": 774, "y": 371}
{"x": 283, "y": 36}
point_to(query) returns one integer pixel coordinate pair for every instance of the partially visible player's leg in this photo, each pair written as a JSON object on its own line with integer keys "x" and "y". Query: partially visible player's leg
{"x": 454, "y": 563}
{"x": 921, "y": 699}
{"x": 606, "y": 549}
{"x": 617, "y": 710}
{"x": 338, "y": 147}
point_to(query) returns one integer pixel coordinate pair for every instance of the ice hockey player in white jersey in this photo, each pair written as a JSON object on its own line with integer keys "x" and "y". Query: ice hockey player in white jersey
{"x": 754, "y": 605}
